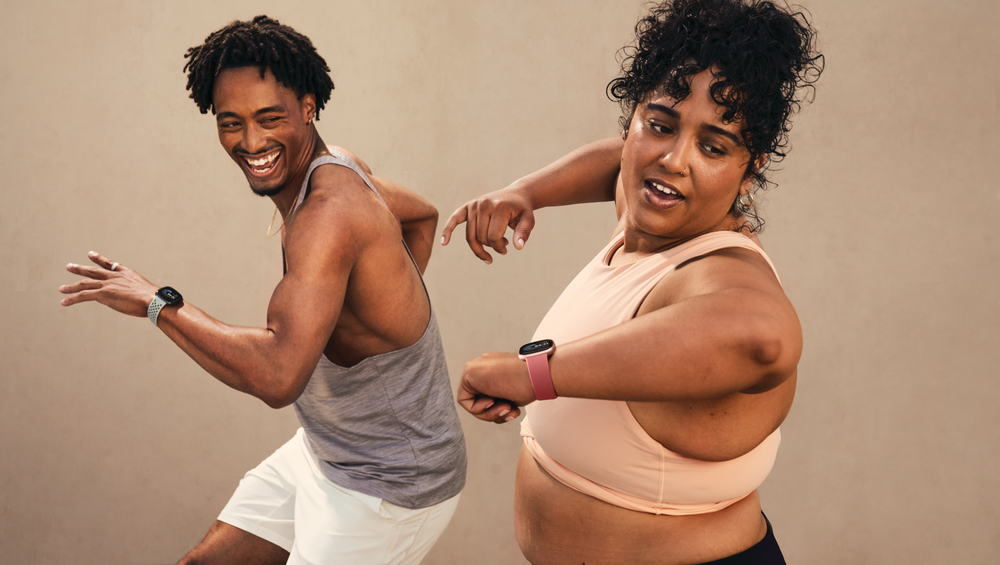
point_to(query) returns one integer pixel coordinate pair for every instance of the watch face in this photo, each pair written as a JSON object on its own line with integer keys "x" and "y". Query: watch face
{"x": 536, "y": 347}
{"x": 169, "y": 295}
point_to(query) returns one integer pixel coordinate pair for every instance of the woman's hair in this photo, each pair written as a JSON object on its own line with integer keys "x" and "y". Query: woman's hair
{"x": 263, "y": 43}
{"x": 764, "y": 57}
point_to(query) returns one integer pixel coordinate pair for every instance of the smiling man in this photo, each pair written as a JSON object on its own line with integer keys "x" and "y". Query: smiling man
{"x": 374, "y": 474}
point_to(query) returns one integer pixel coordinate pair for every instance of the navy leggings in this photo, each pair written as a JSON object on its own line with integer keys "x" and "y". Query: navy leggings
{"x": 766, "y": 552}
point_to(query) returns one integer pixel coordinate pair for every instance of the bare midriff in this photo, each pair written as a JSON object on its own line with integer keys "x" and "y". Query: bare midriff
{"x": 556, "y": 525}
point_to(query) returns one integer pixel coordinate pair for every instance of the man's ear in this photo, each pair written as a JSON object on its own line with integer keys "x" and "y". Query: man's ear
{"x": 308, "y": 106}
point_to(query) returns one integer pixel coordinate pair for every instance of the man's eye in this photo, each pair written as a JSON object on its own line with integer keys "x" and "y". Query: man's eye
{"x": 659, "y": 128}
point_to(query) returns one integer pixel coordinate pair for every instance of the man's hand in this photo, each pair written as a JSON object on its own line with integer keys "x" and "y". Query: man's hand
{"x": 487, "y": 219}
{"x": 111, "y": 284}
{"x": 494, "y": 386}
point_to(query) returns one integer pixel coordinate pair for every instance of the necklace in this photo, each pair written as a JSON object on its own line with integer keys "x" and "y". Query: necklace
{"x": 269, "y": 235}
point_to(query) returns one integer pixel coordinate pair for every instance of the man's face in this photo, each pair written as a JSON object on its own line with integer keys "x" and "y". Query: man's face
{"x": 263, "y": 126}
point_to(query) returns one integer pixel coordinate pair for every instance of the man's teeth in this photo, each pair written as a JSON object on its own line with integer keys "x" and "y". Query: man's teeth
{"x": 664, "y": 189}
{"x": 263, "y": 161}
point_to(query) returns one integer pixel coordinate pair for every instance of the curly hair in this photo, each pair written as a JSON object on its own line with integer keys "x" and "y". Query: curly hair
{"x": 764, "y": 58}
{"x": 265, "y": 43}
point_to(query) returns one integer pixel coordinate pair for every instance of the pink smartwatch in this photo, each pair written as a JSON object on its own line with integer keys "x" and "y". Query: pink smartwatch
{"x": 536, "y": 355}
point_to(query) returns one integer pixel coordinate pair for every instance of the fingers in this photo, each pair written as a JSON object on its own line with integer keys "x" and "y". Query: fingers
{"x": 457, "y": 217}
{"x": 101, "y": 260}
{"x": 502, "y": 412}
{"x": 494, "y": 233}
{"x": 491, "y": 409}
{"x": 84, "y": 296}
{"x": 86, "y": 284}
{"x": 472, "y": 237}
{"x": 523, "y": 228}
{"x": 486, "y": 221}
{"x": 95, "y": 273}
{"x": 486, "y": 408}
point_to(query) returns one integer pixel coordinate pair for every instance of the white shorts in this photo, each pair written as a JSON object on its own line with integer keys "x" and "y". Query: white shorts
{"x": 287, "y": 501}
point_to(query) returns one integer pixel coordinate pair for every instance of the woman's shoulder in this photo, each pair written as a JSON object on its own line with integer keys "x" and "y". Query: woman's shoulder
{"x": 718, "y": 262}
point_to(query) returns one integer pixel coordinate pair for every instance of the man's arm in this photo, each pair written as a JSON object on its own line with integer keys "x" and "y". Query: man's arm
{"x": 274, "y": 363}
{"x": 588, "y": 174}
{"x": 417, "y": 217}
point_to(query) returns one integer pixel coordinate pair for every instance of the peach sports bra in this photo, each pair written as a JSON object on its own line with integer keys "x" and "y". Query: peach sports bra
{"x": 596, "y": 446}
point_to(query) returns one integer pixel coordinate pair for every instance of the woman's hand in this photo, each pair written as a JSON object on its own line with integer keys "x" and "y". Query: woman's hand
{"x": 494, "y": 386}
{"x": 110, "y": 284}
{"x": 487, "y": 219}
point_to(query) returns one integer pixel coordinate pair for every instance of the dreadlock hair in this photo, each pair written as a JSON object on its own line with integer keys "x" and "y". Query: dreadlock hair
{"x": 265, "y": 43}
{"x": 763, "y": 57}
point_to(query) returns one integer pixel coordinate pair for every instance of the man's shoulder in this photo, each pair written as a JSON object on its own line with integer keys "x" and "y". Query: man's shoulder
{"x": 341, "y": 209}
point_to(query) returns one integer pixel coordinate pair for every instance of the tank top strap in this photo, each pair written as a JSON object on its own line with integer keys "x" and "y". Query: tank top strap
{"x": 715, "y": 241}
{"x": 334, "y": 158}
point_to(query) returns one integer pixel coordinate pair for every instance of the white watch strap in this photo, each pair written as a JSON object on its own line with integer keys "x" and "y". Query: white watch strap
{"x": 155, "y": 306}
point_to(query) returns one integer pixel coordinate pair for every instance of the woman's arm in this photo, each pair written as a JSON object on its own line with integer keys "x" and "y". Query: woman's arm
{"x": 588, "y": 174}
{"x": 722, "y": 326}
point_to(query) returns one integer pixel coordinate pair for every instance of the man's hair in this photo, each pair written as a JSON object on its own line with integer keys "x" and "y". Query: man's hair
{"x": 765, "y": 57}
{"x": 264, "y": 43}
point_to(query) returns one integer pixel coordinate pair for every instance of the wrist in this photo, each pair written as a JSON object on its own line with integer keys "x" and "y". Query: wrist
{"x": 536, "y": 356}
{"x": 164, "y": 297}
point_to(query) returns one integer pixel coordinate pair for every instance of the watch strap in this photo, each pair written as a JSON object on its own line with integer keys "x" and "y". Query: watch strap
{"x": 541, "y": 378}
{"x": 153, "y": 312}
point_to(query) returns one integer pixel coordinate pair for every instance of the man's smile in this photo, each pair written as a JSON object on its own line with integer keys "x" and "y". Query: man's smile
{"x": 261, "y": 165}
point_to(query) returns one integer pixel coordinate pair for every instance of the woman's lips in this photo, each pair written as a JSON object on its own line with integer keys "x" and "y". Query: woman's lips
{"x": 661, "y": 194}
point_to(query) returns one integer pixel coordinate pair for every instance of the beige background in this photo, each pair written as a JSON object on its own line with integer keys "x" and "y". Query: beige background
{"x": 116, "y": 448}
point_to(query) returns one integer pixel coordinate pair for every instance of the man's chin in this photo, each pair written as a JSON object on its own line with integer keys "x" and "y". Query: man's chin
{"x": 266, "y": 191}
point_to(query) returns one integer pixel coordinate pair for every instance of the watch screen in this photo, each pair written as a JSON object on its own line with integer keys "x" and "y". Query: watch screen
{"x": 169, "y": 295}
{"x": 536, "y": 346}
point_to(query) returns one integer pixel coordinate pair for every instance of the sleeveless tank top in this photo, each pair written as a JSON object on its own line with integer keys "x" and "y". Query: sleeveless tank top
{"x": 386, "y": 427}
{"x": 596, "y": 446}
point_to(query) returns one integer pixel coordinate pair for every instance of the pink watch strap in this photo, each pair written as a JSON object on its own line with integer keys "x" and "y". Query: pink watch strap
{"x": 541, "y": 379}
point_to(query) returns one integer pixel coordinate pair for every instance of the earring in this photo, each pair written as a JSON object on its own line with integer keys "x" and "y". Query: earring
{"x": 745, "y": 205}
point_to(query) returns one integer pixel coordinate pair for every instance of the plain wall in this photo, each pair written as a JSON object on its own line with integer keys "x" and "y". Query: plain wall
{"x": 117, "y": 448}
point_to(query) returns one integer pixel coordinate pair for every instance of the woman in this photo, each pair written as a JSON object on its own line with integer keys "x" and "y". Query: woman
{"x": 675, "y": 349}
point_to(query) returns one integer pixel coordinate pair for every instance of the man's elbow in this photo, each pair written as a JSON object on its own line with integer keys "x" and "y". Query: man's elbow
{"x": 280, "y": 396}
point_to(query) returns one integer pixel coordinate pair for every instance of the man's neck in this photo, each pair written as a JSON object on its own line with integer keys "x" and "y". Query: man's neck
{"x": 285, "y": 199}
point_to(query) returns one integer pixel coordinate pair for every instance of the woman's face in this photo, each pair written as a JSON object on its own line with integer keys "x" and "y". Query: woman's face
{"x": 682, "y": 167}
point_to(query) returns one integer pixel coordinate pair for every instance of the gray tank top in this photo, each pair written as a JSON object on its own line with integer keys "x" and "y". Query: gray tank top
{"x": 386, "y": 427}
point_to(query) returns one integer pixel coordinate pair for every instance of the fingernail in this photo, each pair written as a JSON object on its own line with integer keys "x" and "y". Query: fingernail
{"x": 509, "y": 418}
{"x": 91, "y": 253}
{"x": 504, "y": 412}
{"x": 520, "y": 242}
{"x": 488, "y": 261}
{"x": 442, "y": 240}
{"x": 488, "y": 406}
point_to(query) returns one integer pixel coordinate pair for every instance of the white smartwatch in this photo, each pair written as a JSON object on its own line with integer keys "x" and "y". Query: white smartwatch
{"x": 166, "y": 296}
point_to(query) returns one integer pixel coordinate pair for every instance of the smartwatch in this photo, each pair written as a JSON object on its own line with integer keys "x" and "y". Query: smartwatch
{"x": 166, "y": 296}
{"x": 536, "y": 356}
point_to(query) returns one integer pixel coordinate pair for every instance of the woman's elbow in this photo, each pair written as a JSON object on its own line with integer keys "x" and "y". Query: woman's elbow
{"x": 776, "y": 354}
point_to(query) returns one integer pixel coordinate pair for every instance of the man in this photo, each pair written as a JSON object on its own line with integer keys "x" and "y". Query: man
{"x": 374, "y": 474}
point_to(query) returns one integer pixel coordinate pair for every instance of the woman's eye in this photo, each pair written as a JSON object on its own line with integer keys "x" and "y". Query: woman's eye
{"x": 713, "y": 150}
